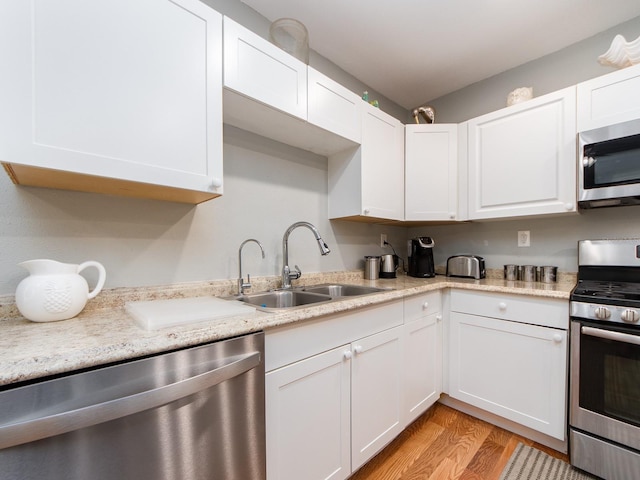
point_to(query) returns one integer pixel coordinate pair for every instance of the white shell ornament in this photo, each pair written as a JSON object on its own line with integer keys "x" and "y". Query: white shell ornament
{"x": 621, "y": 53}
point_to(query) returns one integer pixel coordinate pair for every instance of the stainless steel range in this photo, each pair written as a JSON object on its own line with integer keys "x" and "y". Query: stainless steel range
{"x": 605, "y": 360}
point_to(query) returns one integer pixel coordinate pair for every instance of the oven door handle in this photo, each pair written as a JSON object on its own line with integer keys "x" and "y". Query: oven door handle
{"x": 609, "y": 335}
{"x": 67, "y": 421}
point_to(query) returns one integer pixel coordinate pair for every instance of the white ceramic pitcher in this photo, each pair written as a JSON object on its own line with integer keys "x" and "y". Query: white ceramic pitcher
{"x": 54, "y": 290}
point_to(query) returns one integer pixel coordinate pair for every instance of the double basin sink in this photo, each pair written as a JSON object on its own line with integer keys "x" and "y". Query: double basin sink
{"x": 304, "y": 296}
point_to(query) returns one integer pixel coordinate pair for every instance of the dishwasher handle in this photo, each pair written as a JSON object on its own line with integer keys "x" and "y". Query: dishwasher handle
{"x": 59, "y": 423}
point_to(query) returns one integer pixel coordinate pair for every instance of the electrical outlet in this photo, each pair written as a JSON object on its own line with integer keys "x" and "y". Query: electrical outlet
{"x": 524, "y": 238}
{"x": 383, "y": 239}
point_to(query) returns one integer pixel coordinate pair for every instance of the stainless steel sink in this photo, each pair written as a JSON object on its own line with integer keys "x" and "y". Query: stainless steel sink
{"x": 336, "y": 290}
{"x": 282, "y": 299}
{"x": 304, "y": 296}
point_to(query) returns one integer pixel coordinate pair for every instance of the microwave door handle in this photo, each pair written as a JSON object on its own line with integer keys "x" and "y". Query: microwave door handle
{"x": 59, "y": 423}
{"x": 609, "y": 335}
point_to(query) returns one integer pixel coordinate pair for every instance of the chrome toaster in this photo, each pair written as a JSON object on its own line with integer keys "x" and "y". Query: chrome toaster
{"x": 468, "y": 266}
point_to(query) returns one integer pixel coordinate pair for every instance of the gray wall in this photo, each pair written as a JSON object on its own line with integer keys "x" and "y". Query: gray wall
{"x": 561, "y": 69}
{"x": 268, "y": 186}
{"x": 553, "y": 239}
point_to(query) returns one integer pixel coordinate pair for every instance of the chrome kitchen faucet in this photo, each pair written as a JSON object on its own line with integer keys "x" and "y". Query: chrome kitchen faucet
{"x": 241, "y": 283}
{"x": 287, "y": 276}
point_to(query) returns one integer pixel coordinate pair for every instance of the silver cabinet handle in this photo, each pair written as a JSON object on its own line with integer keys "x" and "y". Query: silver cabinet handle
{"x": 59, "y": 423}
{"x": 609, "y": 335}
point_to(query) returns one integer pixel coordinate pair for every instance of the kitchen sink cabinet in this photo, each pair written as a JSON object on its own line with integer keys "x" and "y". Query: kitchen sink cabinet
{"x": 422, "y": 355}
{"x": 609, "y": 99}
{"x": 508, "y": 356}
{"x": 522, "y": 159}
{"x": 328, "y": 410}
{"x": 431, "y": 172}
{"x": 366, "y": 183}
{"x": 308, "y": 418}
{"x": 129, "y": 105}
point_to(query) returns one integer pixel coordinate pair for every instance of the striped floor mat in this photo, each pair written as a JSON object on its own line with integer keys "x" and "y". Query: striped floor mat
{"x": 528, "y": 463}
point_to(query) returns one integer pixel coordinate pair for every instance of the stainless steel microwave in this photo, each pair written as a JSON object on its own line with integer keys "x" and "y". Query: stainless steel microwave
{"x": 609, "y": 166}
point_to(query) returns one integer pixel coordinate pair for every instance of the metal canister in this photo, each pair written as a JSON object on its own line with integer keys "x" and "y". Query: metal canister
{"x": 371, "y": 267}
{"x": 548, "y": 274}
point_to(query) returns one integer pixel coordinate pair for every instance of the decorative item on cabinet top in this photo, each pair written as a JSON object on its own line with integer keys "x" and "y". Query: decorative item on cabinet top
{"x": 427, "y": 112}
{"x": 519, "y": 95}
{"x": 621, "y": 53}
{"x": 291, "y": 36}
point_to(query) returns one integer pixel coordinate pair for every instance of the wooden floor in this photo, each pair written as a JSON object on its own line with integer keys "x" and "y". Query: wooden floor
{"x": 445, "y": 444}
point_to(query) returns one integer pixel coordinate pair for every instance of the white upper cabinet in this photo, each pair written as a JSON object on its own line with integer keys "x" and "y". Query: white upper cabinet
{"x": 267, "y": 92}
{"x": 333, "y": 107}
{"x": 114, "y": 96}
{"x": 522, "y": 159}
{"x": 367, "y": 183}
{"x": 260, "y": 70}
{"x": 609, "y": 99}
{"x": 431, "y": 172}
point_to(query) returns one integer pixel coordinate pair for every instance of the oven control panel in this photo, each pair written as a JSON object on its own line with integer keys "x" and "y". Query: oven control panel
{"x": 608, "y": 313}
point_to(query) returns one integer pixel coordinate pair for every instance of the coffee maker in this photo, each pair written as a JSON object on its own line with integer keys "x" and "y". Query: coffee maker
{"x": 421, "y": 257}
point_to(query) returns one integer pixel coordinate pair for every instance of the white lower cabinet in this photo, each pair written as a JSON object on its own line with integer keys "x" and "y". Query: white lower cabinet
{"x": 503, "y": 363}
{"x": 308, "y": 415}
{"x": 376, "y": 380}
{"x": 422, "y": 354}
{"x": 328, "y": 413}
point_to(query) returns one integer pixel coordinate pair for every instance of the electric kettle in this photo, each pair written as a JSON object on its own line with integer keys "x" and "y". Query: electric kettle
{"x": 388, "y": 265}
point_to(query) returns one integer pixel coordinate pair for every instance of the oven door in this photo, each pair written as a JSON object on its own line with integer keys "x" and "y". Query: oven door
{"x": 609, "y": 170}
{"x": 605, "y": 381}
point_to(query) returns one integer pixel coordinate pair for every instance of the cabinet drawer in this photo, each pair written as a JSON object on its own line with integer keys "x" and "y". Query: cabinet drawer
{"x": 547, "y": 312}
{"x": 420, "y": 306}
{"x": 290, "y": 343}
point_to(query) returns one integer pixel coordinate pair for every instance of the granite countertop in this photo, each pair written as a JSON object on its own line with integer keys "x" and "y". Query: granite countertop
{"x": 105, "y": 333}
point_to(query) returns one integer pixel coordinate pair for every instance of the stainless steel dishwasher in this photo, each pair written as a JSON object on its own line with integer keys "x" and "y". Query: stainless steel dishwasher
{"x": 191, "y": 414}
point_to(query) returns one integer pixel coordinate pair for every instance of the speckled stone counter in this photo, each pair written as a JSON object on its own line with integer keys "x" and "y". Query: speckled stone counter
{"x": 104, "y": 333}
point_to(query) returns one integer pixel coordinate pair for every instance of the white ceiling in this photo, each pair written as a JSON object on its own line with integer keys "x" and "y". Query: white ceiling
{"x": 412, "y": 51}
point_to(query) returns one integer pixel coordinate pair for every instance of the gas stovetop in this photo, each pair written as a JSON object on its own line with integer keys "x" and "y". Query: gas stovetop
{"x": 608, "y": 286}
{"x": 607, "y": 292}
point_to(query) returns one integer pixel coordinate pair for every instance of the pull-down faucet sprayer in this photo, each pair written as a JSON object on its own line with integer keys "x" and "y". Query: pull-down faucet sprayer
{"x": 287, "y": 276}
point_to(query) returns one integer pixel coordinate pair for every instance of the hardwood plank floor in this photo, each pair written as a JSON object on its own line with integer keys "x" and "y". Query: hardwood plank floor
{"x": 445, "y": 444}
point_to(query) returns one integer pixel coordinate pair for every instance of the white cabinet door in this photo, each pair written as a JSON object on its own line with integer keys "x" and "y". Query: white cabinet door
{"x": 522, "y": 159}
{"x": 376, "y": 381}
{"x": 422, "y": 365}
{"x": 382, "y": 165}
{"x": 333, "y": 107}
{"x": 367, "y": 183}
{"x": 609, "y": 99}
{"x": 260, "y": 70}
{"x": 307, "y": 418}
{"x": 514, "y": 370}
{"x": 431, "y": 173}
{"x": 113, "y": 96}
